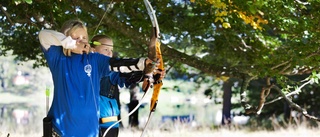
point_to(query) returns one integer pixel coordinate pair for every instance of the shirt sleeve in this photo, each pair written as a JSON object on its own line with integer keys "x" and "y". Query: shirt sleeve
{"x": 116, "y": 79}
{"x": 48, "y": 38}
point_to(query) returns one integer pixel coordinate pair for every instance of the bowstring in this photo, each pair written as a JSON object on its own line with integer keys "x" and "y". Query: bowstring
{"x": 92, "y": 88}
{"x": 130, "y": 113}
{"x": 104, "y": 14}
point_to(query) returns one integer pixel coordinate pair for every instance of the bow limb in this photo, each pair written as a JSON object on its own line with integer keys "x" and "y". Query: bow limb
{"x": 153, "y": 18}
{"x": 154, "y": 37}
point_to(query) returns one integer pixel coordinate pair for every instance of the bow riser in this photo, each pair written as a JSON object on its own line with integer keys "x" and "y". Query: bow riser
{"x": 158, "y": 85}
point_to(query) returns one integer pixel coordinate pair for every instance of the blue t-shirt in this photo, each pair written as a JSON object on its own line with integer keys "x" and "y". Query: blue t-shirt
{"x": 109, "y": 106}
{"x": 75, "y": 106}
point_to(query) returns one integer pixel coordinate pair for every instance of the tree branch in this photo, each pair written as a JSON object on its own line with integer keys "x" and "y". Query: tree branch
{"x": 289, "y": 94}
{"x": 303, "y": 3}
{"x": 243, "y": 96}
{"x": 263, "y": 95}
{"x": 295, "y": 106}
{"x": 283, "y": 63}
{"x": 6, "y": 14}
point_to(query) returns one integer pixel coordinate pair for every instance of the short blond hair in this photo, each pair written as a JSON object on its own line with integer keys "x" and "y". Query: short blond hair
{"x": 68, "y": 27}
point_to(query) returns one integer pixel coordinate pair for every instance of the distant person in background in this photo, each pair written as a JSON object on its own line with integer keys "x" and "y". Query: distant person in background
{"x": 134, "y": 90}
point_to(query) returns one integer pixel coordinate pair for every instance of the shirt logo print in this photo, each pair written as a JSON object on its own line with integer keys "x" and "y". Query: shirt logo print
{"x": 88, "y": 69}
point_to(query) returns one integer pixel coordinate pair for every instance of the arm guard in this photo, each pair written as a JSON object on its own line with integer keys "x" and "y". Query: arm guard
{"x": 127, "y": 65}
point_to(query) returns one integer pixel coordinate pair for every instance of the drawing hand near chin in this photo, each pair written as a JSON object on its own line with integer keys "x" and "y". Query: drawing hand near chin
{"x": 82, "y": 47}
{"x": 86, "y": 48}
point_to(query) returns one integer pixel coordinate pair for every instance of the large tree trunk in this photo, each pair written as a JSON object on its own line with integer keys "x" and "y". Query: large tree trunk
{"x": 226, "y": 108}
